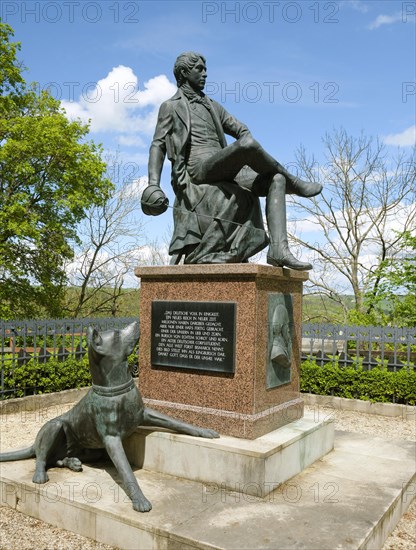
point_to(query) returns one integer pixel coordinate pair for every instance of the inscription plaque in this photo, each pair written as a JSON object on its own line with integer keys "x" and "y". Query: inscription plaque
{"x": 194, "y": 335}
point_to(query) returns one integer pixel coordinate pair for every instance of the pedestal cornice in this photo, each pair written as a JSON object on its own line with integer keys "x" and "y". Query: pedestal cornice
{"x": 225, "y": 271}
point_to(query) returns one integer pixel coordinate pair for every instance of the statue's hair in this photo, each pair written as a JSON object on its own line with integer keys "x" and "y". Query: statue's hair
{"x": 186, "y": 61}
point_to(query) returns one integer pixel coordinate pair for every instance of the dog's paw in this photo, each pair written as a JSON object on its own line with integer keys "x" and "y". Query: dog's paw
{"x": 142, "y": 505}
{"x": 209, "y": 434}
{"x": 40, "y": 477}
{"x": 70, "y": 462}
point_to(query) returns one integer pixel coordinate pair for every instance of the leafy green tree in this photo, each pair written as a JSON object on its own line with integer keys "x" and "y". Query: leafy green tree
{"x": 49, "y": 176}
{"x": 393, "y": 299}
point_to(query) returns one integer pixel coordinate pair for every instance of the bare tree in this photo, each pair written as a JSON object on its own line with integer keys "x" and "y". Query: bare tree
{"x": 368, "y": 199}
{"x": 111, "y": 239}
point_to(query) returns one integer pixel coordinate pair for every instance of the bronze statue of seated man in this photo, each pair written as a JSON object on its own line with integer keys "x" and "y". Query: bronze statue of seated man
{"x": 217, "y": 216}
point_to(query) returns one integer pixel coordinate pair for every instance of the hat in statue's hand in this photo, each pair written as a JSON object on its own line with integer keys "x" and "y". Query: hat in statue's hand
{"x": 154, "y": 201}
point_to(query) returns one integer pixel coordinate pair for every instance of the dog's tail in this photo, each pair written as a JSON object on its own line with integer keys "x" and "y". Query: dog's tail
{"x": 20, "y": 454}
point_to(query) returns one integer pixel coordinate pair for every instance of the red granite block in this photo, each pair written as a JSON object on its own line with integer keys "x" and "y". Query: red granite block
{"x": 237, "y": 404}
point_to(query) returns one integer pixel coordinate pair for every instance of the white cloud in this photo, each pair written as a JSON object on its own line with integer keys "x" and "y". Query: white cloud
{"x": 356, "y": 5}
{"x": 135, "y": 189}
{"x": 75, "y": 110}
{"x": 116, "y": 104}
{"x": 302, "y": 226}
{"x": 385, "y": 20}
{"x": 131, "y": 141}
{"x": 153, "y": 254}
{"x": 156, "y": 90}
{"x": 407, "y": 138}
{"x": 75, "y": 269}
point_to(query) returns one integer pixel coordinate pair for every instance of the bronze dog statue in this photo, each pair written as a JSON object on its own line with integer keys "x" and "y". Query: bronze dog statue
{"x": 112, "y": 409}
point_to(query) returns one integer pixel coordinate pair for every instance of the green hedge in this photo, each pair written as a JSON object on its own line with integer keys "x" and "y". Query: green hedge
{"x": 52, "y": 376}
{"x": 377, "y": 385}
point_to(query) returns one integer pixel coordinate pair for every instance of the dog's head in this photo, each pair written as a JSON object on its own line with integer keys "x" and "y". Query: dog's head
{"x": 112, "y": 346}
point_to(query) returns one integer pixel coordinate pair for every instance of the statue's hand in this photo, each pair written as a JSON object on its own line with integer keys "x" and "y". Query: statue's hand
{"x": 154, "y": 201}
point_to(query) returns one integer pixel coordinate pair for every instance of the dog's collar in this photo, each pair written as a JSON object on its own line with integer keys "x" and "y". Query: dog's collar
{"x": 114, "y": 390}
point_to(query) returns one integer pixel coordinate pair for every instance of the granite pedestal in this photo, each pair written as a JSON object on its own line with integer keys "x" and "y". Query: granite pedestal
{"x": 235, "y": 403}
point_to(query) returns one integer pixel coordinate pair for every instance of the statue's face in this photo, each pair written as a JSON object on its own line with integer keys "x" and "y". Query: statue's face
{"x": 197, "y": 76}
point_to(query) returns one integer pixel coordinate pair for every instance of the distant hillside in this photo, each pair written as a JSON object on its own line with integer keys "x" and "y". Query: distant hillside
{"x": 316, "y": 308}
{"x": 99, "y": 305}
{"x": 320, "y": 309}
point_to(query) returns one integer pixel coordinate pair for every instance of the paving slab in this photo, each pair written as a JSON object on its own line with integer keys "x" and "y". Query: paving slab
{"x": 351, "y": 498}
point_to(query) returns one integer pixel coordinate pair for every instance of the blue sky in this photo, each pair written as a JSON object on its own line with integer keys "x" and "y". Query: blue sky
{"x": 290, "y": 70}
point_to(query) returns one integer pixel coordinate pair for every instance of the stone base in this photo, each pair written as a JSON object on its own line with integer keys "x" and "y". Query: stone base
{"x": 352, "y": 499}
{"x": 247, "y": 426}
{"x": 256, "y": 467}
{"x": 241, "y": 403}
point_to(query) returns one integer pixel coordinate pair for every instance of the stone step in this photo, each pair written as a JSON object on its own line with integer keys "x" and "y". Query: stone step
{"x": 351, "y": 498}
{"x": 251, "y": 466}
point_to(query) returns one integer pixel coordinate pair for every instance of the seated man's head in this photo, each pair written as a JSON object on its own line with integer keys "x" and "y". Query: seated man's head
{"x": 190, "y": 67}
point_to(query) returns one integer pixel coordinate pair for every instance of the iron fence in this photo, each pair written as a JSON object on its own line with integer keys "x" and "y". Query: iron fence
{"x": 370, "y": 347}
{"x": 21, "y": 341}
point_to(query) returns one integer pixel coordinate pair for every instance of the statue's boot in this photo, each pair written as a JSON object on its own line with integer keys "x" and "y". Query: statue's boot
{"x": 296, "y": 186}
{"x": 279, "y": 254}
